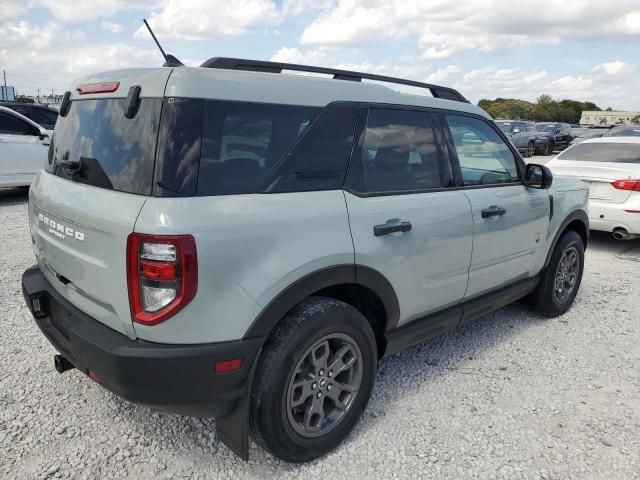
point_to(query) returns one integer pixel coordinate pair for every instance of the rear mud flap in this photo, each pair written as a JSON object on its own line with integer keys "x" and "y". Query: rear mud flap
{"x": 233, "y": 429}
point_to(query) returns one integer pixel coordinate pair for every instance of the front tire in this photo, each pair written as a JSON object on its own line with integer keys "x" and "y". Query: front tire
{"x": 561, "y": 279}
{"x": 551, "y": 146}
{"x": 313, "y": 380}
{"x": 530, "y": 151}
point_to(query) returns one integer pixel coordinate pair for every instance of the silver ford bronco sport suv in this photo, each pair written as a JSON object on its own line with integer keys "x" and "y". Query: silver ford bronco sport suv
{"x": 236, "y": 242}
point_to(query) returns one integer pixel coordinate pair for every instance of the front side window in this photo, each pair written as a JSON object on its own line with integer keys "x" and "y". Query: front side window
{"x": 399, "y": 151}
{"x": 485, "y": 159}
{"x": 14, "y": 126}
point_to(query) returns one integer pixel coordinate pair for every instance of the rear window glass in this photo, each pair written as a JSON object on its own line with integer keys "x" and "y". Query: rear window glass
{"x": 97, "y": 145}
{"x": 602, "y": 152}
{"x": 243, "y": 141}
{"x": 42, "y": 116}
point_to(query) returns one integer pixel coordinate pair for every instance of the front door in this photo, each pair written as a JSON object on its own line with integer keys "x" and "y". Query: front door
{"x": 403, "y": 222}
{"x": 510, "y": 220}
{"x": 22, "y": 153}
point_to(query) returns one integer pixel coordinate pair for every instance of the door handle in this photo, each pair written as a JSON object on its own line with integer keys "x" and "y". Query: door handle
{"x": 392, "y": 225}
{"x": 493, "y": 211}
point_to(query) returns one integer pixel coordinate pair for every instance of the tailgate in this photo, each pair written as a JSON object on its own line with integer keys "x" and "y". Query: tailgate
{"x": 98, "y": 175}
{"x": 80, "y": 241}
{"x": 598, "y": 176}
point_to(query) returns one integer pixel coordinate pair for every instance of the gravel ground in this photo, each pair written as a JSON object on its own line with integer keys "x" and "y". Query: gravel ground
{"x": 510, "y": 396}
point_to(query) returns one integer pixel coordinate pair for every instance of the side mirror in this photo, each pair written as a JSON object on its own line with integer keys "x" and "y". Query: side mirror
{"x": 516, "y": 130}
{"x": 44, "y": 137}
{"x": 538, "y": 176}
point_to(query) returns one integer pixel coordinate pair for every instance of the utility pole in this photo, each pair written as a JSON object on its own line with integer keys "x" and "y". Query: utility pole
{"x": 5, "y": 94}
{"x": 38, "y": 95}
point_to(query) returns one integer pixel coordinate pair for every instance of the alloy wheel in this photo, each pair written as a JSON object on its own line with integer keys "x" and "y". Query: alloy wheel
{"x": 324, "y": 385}
{"x": 566, "y": 275}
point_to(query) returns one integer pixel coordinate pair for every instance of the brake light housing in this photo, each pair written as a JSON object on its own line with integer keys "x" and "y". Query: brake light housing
{"x": 162, "y": 275}
{"x": 629, "y": 185}
{"x": 101, "y": 87}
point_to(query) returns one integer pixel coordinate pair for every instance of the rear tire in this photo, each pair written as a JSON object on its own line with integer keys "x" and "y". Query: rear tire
{"x": 561, "y": 279}
{"x": 300, "y": 407}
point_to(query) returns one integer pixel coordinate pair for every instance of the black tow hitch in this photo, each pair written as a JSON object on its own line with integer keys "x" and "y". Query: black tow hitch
{"x": 62, "y": 364}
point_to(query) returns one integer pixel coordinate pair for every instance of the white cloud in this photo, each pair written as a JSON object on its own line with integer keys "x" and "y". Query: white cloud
{"x": 443, "y": 28}
{"x": 111, "y": 27}
{"x": 14, "y": 8}
{"x": 293, "y": 55}
{"x": 206, "y": 19}
{"x": 23, "y": 35}
{"x": 615, "y": 68}
{"x": 527, "y": 84}
{"x": 302, "y": 7}
{"x": 83, "y": 10}
{"x": 443, "y": 74}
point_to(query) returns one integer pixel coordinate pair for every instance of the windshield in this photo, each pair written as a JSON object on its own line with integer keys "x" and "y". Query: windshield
{"x": 97, "y": 145}
{"x": 545, "y": 128}
{"x": 602, "y": 152}
{"x": 623, "y": 132}
{"x": 505, "y": 126}
{"x": 42, "y": 116}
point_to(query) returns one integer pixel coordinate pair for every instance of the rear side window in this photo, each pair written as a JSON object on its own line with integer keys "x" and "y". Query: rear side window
{"x": 97, "y": 145}
{"x": 399, "y": 151}
{"x": 603, "y": 152}
{"x": 485, "y": 159}
{"x": 14, "y": 126}
{"x": 242, "y": 142}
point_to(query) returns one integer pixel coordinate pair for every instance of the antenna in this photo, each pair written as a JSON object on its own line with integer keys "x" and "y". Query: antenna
{"x": 169, "y": 60}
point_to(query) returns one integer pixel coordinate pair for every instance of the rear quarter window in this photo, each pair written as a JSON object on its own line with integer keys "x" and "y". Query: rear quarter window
{"x": 242, "y": 142}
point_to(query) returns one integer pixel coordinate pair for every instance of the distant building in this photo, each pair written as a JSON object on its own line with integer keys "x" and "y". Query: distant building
{"x": 608, "y": 119}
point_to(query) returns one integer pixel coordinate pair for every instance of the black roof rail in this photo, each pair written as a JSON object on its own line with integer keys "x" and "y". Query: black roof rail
{"x": 276, "y": 67}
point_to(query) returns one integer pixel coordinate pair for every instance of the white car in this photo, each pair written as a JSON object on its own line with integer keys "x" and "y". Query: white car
{"x": 611, "y": 167}
{"x": 23, "y": 148}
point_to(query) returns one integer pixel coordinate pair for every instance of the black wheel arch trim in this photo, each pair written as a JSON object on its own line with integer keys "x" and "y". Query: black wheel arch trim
{"x": 325, "y": 278}
{"x": 579, "y": 215}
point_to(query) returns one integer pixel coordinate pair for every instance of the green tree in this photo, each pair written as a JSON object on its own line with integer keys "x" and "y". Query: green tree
{"x": 546, "y": 109}
{"x": 23, "y": 99}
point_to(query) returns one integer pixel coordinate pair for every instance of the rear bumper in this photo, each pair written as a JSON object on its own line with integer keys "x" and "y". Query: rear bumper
{"x": 173, "y": 378}
{"x": 609, "y": 216}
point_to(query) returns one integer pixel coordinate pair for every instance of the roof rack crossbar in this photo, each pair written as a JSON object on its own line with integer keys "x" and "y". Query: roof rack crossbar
{"x": 227, "y": 63}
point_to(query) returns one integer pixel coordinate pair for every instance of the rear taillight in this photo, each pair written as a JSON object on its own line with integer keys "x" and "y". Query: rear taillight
{"x": 102, "y": 87}
{"x": 162, "y": 275}
{"x": 631, "y": 185}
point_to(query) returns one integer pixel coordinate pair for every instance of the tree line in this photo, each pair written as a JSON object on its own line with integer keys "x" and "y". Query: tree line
{"x": 546, "y": 109}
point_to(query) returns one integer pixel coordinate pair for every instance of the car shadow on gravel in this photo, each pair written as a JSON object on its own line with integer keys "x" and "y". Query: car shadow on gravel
{"x": 13, "y": 196}
{"x": 398, "y": 376}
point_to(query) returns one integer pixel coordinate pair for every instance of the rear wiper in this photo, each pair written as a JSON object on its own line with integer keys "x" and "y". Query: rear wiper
{"x": 72, "y": 166}
{"x": 162, "y": 185}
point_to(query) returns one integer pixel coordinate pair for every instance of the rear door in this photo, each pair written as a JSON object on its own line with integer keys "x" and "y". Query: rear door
{"x": 22, "y": 153}
{"x": 405, "y": 222}
{"x": 99, "y": 173}
{"x": 510, "y": 220}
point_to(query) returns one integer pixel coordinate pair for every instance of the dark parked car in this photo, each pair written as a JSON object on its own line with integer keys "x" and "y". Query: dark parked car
{"x": 522, "y": 134}
{"x": 552, "y": 135}
{"x": 44, "y": 116}
{"x": 586, "y": 134}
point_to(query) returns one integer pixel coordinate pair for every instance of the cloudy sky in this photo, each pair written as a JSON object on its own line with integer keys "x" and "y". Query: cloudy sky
{"x": 580, "y": 49}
